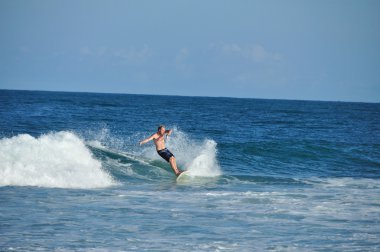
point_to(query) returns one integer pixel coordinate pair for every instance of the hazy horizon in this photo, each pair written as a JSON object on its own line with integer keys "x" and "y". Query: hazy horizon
{"x": 200, "y": 96}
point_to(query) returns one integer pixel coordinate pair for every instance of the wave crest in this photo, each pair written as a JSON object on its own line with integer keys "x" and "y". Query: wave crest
{"x": 58, "y": 159}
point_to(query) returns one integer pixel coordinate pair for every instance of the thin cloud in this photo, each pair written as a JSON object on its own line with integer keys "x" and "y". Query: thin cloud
{"x": 134, "y": 55}
{"x": 130, "y": 54}
{"x": 85, "y": 50}
{"x": 255, "y": 52}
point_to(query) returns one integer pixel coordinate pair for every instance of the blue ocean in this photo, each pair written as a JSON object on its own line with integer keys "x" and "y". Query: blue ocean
{"x": 264, "y": 175}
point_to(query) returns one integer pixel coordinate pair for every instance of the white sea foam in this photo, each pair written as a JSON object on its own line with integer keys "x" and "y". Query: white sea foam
{"x": 345, "y": 182}
{"x": 53, "y": 160}
{"x": 198, "y": 157}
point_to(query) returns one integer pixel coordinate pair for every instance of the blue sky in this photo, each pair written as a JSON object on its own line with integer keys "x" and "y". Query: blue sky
{"x": 312, "y": 50}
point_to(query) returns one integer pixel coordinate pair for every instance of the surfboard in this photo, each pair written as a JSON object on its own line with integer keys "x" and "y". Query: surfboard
{"x": 183, "y": 176}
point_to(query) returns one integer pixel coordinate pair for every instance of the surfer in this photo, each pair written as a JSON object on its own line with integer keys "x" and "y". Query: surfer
{"x": 159, "y": 141}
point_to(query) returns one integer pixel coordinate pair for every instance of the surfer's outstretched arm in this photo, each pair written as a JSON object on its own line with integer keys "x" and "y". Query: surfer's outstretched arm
{"x": 168, "y": 132}
{"x": 147, "y": 139}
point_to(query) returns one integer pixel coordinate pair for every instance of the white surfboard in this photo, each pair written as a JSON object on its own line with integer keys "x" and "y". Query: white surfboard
{"x": 183, "y": 176}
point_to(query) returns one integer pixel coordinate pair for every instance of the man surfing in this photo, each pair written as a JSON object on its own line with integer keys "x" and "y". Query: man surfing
{"x": 159, "y": 141}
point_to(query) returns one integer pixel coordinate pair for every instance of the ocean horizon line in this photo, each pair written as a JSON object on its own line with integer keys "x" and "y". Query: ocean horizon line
{"x": 196, "y": 96}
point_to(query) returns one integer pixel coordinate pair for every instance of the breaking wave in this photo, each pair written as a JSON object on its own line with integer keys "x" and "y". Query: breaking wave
{"x": 59, "y": 159}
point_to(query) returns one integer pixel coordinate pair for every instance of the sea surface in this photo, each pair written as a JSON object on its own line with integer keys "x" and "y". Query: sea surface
{"x": 265, "y": 175}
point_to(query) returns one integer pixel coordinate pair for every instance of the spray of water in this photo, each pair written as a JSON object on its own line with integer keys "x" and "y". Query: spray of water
{"x": 198, "y": 157}
{"x": 58, "y": 159}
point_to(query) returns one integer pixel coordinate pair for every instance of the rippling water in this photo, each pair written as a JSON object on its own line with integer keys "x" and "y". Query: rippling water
{"x": 265, "y": 174}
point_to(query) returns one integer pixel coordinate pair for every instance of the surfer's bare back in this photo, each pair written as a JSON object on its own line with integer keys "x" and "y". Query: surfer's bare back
{"x": 159, "y": 141}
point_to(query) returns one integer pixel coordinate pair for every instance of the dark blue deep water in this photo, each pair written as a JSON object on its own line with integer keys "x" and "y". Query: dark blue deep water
{"x": 272, "y": 175}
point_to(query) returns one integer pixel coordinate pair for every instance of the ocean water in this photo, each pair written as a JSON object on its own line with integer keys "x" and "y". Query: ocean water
{"x": 266, "y": 175}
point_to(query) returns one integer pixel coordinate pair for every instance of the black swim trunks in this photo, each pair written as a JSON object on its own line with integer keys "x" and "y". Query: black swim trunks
{"x": 165, "y": 154}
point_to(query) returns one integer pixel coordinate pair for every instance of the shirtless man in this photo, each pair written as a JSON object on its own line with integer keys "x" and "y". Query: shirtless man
{"x": 159, "y": 141}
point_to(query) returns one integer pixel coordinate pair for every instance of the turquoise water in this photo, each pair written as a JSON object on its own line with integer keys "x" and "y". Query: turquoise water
{"x": 268, "y": 175}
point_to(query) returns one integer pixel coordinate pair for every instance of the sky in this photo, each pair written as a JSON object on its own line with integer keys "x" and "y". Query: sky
{"x": 304, "y": 50}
